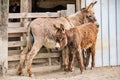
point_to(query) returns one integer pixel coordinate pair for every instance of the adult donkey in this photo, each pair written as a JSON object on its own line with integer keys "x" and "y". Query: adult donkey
{"x": 42, "y": 29}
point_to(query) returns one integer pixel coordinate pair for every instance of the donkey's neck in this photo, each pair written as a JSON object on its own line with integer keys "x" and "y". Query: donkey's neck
{"x": 77, "y": 18}
{"x": 70, "y": 34}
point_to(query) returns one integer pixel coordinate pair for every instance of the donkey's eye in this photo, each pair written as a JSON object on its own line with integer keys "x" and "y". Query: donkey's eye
{"x": 90, "y": 16}
{"x": 59, "y": 38}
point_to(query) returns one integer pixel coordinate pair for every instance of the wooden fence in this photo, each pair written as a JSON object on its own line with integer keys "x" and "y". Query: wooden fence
{"x": 17, "y": 41}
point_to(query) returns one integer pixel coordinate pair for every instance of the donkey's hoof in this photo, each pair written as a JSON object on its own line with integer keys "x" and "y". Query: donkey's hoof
{"x": 32, "y": 76}
{"x": 19, "y": 73}
{"x": 92, "y": 68}
{"x": 71, "y": 69}
{"x": 82, "y": 72}
{"x": 26, "y": 74}
{"x": 64, "y": 67}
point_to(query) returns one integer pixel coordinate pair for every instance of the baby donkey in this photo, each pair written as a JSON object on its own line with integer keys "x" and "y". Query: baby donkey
{"x": 77, "y": 38}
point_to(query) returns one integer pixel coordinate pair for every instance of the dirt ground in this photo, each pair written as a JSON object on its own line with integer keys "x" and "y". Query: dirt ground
{"x": 101, "y": 73}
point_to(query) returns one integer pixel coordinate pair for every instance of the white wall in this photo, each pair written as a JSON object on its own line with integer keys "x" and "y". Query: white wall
{"x": 108, "y": 42}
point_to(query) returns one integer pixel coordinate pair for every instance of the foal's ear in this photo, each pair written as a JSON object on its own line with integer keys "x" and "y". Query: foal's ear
{"x": 62, "y": 28}
{"x": 91, "y": 5}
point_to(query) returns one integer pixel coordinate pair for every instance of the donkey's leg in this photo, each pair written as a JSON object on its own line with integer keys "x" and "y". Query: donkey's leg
{"x": 36, "y": 47}
{"x": 88, "y": 57}
{"x": 84, "y": 54}
{"x": 22, "y": 59}
{"x": 80, "y": 60}
{"x": 93, "y": 56}
{"x": 65, "y": 58}
{"x": 71, "y": 60}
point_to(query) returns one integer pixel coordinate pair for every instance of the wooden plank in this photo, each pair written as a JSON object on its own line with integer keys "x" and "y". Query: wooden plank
{"x": 70, "y": 9}
{"x": 3, "y": 33}
{"x": 14, "y": 24}
{"x": 17, "y": 30}
{"x": 40, "y": 55}
{"x": 15, "y": 35}
{"x": 83, "y": 3}
{"x": 49, "y": 59}
{"x": 25, "y": 9}
{"x": 78, "y": 5}
{"x": 63, "y": 13}
{"x": 34, "y": 15}
{"x": 16, "y": 15}
{"x": 38, "y": 61}
{"x": 38, "y": 69}
{"x": 14, "y": 52}
{"x": 47, "y": 14}
{"x": 25, "y": 5}
{"x": 16, "y": 43}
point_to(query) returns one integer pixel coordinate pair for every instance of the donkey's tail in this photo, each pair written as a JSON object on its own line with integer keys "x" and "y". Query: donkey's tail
{"x": 29, "y": 45}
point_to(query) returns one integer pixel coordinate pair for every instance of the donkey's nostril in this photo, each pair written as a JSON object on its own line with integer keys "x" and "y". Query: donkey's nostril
{"x": 56, "y": 48}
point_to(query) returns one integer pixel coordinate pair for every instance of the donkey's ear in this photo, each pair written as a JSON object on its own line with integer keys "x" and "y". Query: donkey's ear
{"x": 94, "y": 3}
{"x": 87, "y": 8}
{"x": 62, "y": 27}
{"x": 91, "y": 5}
{"x": 55, "y": 27}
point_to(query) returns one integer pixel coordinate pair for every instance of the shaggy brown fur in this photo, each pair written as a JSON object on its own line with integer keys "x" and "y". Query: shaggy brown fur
{"x": 78, "y": 38}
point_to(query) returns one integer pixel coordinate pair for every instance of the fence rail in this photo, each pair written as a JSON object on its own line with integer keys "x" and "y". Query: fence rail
{"x": 34, "y": 15}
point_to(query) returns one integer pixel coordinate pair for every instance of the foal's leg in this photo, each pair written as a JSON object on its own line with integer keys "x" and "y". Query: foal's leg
{"x": 88, "y": 51}
{"x": 84, "y": 54}
{"x": 71, "y": 60}
{"x": 93, "y": 56}
{"x": 65, "y": 58}
{"x": 36, "y": 46}
{"x": 22, "y": 59}
{"x": 80, "y": 60}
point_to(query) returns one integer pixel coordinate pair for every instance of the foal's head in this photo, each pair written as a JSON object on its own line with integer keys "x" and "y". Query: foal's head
{"x": 60, "y": 37}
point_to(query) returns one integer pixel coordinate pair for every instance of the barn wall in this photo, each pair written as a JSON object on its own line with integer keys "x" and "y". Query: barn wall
{"x": 118, "y": 29}
{"x": 12, "y": 2}
{"x": 108, "y": 45}
{"x": 53, "y": 3}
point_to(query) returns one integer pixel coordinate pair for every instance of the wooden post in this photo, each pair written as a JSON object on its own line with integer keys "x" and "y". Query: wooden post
{"x": 3, "y": 32}
{"x": 25, "y": 8}
{"x": 0, "y": 14}
{"x": 70, "y": 9}
{"x": 78, "y": 6}
{"x": 26, "y": 5}
{"x": 83, "y": 3}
